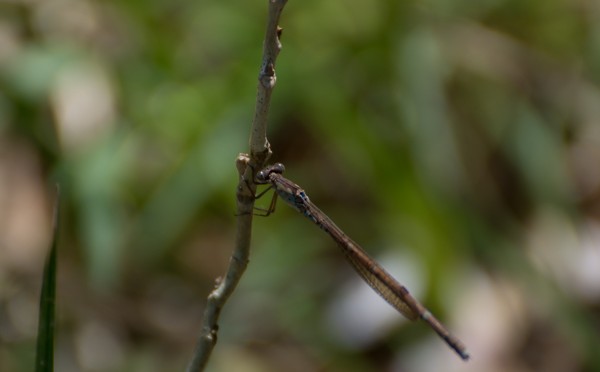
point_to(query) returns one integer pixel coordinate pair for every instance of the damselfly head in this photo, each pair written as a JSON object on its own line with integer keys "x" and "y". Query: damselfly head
{"x": 263, "y": 175}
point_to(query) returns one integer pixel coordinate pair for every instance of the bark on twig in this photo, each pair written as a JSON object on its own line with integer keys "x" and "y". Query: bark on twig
{"x": 247, "y": 165}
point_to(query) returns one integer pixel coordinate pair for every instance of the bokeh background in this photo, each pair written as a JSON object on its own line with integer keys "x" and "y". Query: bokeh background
{"x": 457, "y": 141}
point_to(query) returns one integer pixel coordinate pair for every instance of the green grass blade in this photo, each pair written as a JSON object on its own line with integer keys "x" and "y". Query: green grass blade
{"x": 44, "y": 361}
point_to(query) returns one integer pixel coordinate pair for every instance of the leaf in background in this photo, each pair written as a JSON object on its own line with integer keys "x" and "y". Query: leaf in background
{"x": 45, "y": 342}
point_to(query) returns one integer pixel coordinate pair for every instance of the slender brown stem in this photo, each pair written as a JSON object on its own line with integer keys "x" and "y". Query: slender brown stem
{"x": 246, "y": 164}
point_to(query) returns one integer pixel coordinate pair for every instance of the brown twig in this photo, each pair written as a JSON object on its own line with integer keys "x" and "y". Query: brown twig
{"x": 246, "y": 165}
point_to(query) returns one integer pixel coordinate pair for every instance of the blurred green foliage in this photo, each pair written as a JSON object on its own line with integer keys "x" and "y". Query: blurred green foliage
{"x": 461, "y": 137}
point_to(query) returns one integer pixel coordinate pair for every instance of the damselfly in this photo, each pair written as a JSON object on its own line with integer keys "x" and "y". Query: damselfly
{"x": 369, "y": 270}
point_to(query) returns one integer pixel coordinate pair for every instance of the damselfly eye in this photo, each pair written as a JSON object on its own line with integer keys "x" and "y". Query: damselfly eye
{"x": 278, "y": 168}
{"x": 261, "y": 176}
